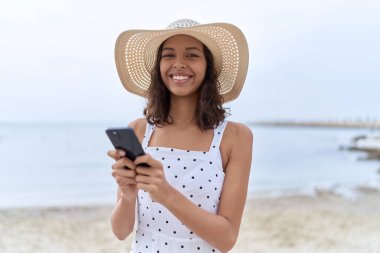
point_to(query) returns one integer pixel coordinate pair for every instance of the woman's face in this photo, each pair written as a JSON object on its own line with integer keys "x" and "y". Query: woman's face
{"x": 183, "y": 65}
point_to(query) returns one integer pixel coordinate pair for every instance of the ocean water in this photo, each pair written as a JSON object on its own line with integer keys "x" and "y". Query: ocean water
{"x": 66, "y": 164}
{"x": 290, "y": 160}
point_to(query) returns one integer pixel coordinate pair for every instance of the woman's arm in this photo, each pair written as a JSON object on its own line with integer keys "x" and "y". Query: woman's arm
{"x": 123, "y": 215}
{"x": 220, "y": 230}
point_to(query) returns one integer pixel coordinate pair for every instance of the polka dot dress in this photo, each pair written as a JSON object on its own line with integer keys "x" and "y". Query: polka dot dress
{"x": 199, "y": 177}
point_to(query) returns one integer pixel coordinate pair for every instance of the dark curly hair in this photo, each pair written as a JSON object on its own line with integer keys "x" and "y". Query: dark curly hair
{"x": 209, "y": 111}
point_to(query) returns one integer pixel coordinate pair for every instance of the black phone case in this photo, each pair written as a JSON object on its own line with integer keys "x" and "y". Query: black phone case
{"x": 126, "y": 140}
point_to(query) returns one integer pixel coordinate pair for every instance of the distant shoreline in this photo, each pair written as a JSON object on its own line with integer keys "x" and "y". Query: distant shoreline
{"x": 275, "y": 123}
{"x": 321, "y": 124}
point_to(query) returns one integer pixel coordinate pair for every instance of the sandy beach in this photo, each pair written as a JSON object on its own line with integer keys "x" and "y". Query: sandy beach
{"x": 322, "y": 223}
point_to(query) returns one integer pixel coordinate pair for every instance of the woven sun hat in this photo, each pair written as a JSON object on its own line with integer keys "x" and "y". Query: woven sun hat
{"x": 136, "y": 52}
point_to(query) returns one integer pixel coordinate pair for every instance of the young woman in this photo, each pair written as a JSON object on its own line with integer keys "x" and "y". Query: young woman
{"x": 192, "y": 196}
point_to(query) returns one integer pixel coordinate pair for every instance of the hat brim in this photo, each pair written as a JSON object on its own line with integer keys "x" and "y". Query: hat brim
{"x": 136, "y": 52}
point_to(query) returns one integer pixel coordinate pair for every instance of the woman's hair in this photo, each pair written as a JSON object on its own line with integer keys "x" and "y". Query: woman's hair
{"x": 209, "y": 112}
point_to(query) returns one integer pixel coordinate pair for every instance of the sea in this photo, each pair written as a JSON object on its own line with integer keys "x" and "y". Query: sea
{"x": 60, "y": 164}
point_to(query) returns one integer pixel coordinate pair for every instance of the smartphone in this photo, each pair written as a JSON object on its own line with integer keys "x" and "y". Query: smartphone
{"x": 126, "y": 140}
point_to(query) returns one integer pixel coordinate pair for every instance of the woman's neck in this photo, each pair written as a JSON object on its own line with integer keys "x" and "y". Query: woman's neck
{"x": 182, "y": 110}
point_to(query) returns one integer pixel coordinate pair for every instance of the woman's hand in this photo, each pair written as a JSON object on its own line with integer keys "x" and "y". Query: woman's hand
{"x": 123, "y": 170}
{"x": 152, "y": 179}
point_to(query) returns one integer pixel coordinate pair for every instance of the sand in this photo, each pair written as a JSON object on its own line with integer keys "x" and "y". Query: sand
{"x": 323, "y": 223}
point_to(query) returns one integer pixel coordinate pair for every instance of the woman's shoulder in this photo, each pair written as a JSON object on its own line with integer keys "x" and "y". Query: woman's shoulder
{"x": 139, "y": 125}
{"x": 237, "y": 142}
{"x": 236, "y": 130}
{"x": 236, "y": 136}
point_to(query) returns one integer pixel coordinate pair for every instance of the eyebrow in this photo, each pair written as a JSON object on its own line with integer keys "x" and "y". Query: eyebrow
{"x": 188, "y": 48}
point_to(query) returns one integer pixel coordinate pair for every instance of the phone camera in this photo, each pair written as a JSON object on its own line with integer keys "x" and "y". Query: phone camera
{"x": 116, "y": 134}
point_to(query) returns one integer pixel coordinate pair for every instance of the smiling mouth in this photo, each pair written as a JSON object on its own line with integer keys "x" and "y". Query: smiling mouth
{"x": 180, "y": 78}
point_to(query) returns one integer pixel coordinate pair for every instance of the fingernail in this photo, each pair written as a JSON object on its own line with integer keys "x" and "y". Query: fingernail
{"x": 121, "y": 153}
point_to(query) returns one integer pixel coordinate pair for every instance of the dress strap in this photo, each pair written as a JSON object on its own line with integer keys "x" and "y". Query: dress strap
{"x": 148, "y": 133}
{"x": 218, "y": 135}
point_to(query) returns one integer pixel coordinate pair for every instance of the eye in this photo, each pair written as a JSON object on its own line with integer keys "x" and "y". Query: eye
{"x": 192, "y": 55}
{"x": 167, "y": 55}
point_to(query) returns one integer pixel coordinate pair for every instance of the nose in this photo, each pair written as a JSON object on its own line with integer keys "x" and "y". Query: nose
{"x": 179, "y": 64}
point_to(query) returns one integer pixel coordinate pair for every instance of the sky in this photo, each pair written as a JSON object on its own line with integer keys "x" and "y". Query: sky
{"x": 309, "y": 60}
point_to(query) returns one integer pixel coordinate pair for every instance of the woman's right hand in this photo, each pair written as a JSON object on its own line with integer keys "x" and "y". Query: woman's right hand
{"x": 123, "y": 170}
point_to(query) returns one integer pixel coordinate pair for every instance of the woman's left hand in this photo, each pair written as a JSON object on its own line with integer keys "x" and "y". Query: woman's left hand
{"x": 152, "y": 179}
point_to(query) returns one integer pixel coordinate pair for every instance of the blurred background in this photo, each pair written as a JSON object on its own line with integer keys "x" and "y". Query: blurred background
{"x": 311, "y": 94}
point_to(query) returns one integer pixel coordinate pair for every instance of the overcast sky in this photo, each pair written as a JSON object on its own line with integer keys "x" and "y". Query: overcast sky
{"x": 308, "y": 59}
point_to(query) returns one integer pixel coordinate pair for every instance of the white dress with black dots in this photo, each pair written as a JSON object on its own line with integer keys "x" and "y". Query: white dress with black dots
{"x": 197, "y": 175}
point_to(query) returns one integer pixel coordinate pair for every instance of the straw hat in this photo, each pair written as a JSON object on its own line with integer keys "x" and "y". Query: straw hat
{"x": 136, "y": 51}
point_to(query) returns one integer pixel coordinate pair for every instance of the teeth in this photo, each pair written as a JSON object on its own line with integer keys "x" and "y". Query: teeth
{"x": 180, "y": 77}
